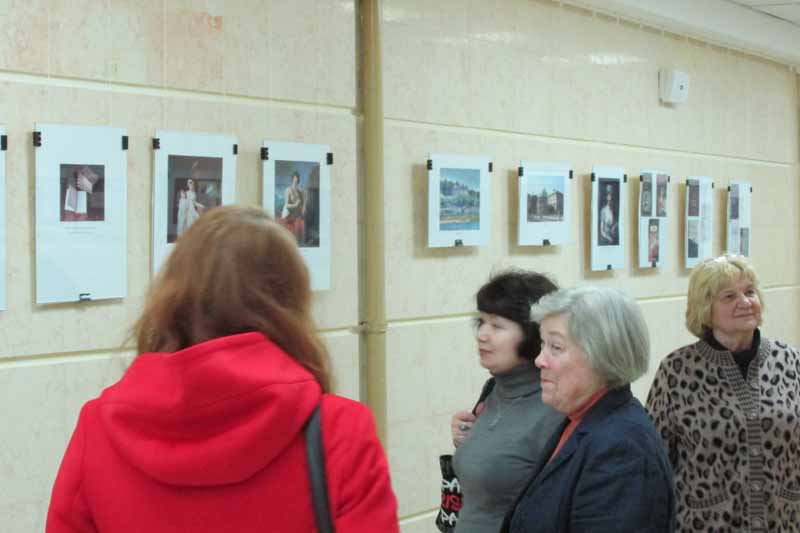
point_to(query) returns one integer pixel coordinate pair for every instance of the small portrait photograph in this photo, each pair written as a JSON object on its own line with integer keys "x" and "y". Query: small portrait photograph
{"x": 82, "y": 192}
{"x": 297, "y": 200}
{"x": 733, "y": 202}
{"x": 646, "y": 196}
{"x": 692, "y": 239}
{"x": 744, "y": 242}
{"x": 608, "y": 212}
{"x": 652, "y": 240}
{"x": 194, "y": 186}
{"x": 459, "y": 199}
{"x": 661, "y": 195}
{"x": 545, "y": 197}
{"x": 694, "y": 198}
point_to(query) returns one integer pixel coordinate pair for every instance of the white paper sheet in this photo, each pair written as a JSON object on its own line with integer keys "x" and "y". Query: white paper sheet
{"x": 699, "y": 218}
{"x": 739, "y": 218}
{"x": 608, "y": 218}
{"x": 304, "y": 207}
{"x": 3, "y": 304}
{"x": 544, "y": 203}
{"x": 653, "y": 222}
{"x": 81, "y": 213}
{"x": 459, "y": 200}
{"x": 193, "y": 172}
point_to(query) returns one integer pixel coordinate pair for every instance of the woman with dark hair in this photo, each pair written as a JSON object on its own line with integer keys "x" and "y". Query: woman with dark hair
{"x": 498, "y": 451}
{"x": 205, "y": 431}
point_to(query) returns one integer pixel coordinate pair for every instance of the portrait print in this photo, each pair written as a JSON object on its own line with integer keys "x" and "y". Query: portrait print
{"x": 545, "y": 199}
{"x": 733, "y": 198}
{"x": 82, "y": 193}
{"x": 459, "y": 199}
{"x": 661, "y": 196}
{"x": 608, "y": 212}
{"x": 646, "y": 196}
{"x": 194, "y": 186}
{"x": 652, "y": 240}
{"x": 744, "y": 242}
{"x": 692, "y": 239}
{"x": 693, "y": 208}
{"x": 297, "y": 200}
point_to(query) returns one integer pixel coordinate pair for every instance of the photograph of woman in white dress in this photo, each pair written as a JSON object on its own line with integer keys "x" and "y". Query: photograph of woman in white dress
{"x": 195, "y": 186}
{"x": 188, "y": 206}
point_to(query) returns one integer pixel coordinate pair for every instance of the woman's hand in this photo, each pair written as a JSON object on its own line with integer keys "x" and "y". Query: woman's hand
{"x": 460, "y": 425}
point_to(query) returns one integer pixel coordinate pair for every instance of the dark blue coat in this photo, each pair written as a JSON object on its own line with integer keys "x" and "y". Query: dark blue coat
{"x": 611, "y": 475}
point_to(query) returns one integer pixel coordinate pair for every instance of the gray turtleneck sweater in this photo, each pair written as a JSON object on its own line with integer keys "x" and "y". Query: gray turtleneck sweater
{"x": 503, "y": 449}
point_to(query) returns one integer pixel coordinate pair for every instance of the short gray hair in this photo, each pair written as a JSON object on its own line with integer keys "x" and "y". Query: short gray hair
{"x": 607, "y": 325}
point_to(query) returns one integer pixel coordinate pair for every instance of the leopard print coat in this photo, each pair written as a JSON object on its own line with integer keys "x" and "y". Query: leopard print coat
{"x": 734, "y": 443}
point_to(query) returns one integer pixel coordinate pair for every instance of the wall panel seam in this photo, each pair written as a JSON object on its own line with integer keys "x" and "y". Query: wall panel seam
{"x": 165, "y": 92}
{"x": 454, "y": 128}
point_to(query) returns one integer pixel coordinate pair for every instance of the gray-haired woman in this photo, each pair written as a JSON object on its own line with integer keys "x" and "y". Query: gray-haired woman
{"x": 608, "y": 469}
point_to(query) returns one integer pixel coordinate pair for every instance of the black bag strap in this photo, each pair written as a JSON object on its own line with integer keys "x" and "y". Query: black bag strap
{"x": 485, "y": 391}
{"x": 316, "y": 472}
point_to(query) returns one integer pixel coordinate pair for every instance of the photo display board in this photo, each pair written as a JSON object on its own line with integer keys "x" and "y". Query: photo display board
{"x": 653, "y": 226}
{"x": 193, "y": 172}
{"x": 297, "y": 194}
{"x": 739, "y": 218}
{"x": 544, "y": 203}
{"x": 81, "y": 217}
{"x": 699, "y": 219}
{"x": 459, "y": 200}
{"x": 3, "y": 240}
{"x": 608, "y": 218}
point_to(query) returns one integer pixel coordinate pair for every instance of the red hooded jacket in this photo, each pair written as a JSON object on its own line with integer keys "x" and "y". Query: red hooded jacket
{"x": 210, "y": 438}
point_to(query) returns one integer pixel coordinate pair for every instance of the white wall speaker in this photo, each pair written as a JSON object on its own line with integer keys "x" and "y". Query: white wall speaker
{"x": 673, "y": 86}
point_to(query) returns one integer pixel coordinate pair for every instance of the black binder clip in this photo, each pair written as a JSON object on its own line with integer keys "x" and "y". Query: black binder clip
{"x": 458, "y": 243}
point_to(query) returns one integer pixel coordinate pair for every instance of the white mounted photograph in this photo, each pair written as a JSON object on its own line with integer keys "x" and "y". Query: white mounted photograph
{"x": 608, "y": 218}
{"x": 739, "y": 218}
{"x": 459, "y": 200}
{"x": 544, "y": 204}
{"x": 296, "y": 192}
{"x": 699, "y": 219}
{"x": 652, "y": 218}
{"x": 81, "y": 206}
{"x": 3, "y": 255}
{"x": 192, "y": 173}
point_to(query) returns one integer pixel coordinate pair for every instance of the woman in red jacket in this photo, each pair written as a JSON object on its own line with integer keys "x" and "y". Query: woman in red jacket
{"x": 204, "y": 432}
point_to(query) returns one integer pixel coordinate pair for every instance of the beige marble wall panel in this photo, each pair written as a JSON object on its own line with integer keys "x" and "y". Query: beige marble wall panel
{"x": 137, "y": 42}
{"x": 312, "y": 51}
{"x": 23, "y": 36}
{"x": 246, "y": 67}
{"x": 498, "y": 76}
{"x": 195, "y": 45}
{"x": 49, "y": 397}
{"x": 343, "y": 349}
{"x": 79, "y": 39}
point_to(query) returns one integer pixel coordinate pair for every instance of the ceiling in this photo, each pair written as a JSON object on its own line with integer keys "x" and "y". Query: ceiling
{"x": 788, "y": 10}
{"x": 766, "y": 28}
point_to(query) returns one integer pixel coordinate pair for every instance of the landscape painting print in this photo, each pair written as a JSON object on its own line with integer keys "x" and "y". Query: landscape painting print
{"x": 459, "y": 199}
{"x": 545, "y": 199}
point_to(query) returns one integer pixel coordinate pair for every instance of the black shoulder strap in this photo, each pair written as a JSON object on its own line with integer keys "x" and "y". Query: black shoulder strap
{"x": 316, "y": 472}
{"x": 487, "y": 389}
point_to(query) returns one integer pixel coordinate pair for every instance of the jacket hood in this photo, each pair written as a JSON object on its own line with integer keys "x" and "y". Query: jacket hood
{"x": 213, "y": 414}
